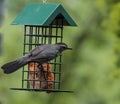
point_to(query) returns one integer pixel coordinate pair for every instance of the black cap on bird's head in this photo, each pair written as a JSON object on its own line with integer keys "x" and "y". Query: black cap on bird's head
{"x": 63, "y": 46}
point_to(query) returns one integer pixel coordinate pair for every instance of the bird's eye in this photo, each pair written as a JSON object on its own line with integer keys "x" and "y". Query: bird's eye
{"x": 63, "y": 47}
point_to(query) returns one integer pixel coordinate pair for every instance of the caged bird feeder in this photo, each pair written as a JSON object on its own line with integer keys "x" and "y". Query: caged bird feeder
{"x": 43, "y": 24}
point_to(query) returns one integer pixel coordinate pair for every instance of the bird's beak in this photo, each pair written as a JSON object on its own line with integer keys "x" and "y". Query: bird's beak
{"x": 69, "y": 48}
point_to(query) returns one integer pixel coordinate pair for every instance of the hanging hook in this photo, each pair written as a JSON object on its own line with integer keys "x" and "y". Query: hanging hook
{"x": 44, "y": 1}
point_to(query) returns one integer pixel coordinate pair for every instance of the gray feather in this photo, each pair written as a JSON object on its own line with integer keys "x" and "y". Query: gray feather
{"x": 13, "y": 66}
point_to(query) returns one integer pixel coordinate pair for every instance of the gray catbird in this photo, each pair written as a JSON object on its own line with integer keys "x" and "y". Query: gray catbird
{"x": 41, "y": 54}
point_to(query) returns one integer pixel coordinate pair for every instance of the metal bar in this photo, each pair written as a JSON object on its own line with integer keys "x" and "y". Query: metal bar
{"x": 38, "y": 90}
{"x": 30, "y": 48}
{"x": 32, "y": 44}
{"x": 45, "y": 71}
{"x": 30, "y": 38}
{"x": 50, "y": 35}
{"x": 38, "y": 34}
{"x": 36, "y": 39}
{"x": 53, "y": 26}
{"x": 42, "y": 35}
{"x": 40, "y": 71}
{"x": 60, "y": 55}
{"x": 57, "y": 25}
{"x": 45, "y": 35}
{"x": 41, "y": 81}
{"x": 23, "y": 54}
{"x": 56, "y": 40}
{"x": 47, "y": 74}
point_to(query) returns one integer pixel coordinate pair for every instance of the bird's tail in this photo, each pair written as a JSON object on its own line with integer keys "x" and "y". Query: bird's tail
{"x": 13, "y": 66}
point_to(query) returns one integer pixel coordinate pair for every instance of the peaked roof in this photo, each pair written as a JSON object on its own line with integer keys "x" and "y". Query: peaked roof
{"x": 43, "y": 15}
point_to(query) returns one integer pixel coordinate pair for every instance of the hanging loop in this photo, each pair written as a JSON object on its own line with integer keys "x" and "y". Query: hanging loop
{"x": 44, "y": 1}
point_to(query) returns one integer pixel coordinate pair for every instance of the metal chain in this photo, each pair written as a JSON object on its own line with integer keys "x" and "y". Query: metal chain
{"x": 44, "y": 1}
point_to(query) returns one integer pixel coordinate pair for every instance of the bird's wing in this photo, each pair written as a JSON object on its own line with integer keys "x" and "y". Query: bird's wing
{"x": 38, "y": 50}
{"x": 43, "y": 53}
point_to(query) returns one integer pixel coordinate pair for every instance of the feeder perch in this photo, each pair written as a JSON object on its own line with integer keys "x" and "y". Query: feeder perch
{"x": 43, "y": 24}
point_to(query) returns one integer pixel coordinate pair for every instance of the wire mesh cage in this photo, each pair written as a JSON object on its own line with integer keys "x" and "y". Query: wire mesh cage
{"x": 46, "y": 76}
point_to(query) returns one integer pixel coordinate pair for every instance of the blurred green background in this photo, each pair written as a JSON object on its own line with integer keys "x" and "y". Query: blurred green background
{"x": 92, "y": 69}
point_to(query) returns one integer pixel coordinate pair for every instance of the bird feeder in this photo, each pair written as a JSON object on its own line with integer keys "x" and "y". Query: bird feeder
{"x": 43, "y": 24}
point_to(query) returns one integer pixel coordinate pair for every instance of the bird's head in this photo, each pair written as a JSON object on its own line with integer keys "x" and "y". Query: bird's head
{"x": 63, "y": 47}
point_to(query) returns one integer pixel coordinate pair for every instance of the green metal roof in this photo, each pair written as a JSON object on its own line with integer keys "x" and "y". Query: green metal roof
{"x": 43, "y": 15}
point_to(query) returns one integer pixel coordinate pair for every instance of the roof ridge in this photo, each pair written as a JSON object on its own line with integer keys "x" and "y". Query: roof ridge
{"x": 51, "y": 13}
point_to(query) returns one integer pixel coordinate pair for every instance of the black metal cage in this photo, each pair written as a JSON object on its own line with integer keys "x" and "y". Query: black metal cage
{"x": 33, "y": 37}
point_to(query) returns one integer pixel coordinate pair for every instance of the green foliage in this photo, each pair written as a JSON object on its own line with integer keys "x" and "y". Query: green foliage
{"x": 92, "y": 69}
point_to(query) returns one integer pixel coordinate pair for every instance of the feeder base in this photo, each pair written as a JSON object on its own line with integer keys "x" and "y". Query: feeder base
{"x": 41, "y": 90}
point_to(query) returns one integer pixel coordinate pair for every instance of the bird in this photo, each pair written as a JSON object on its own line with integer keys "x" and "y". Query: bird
{"x": 42, "y": 54}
